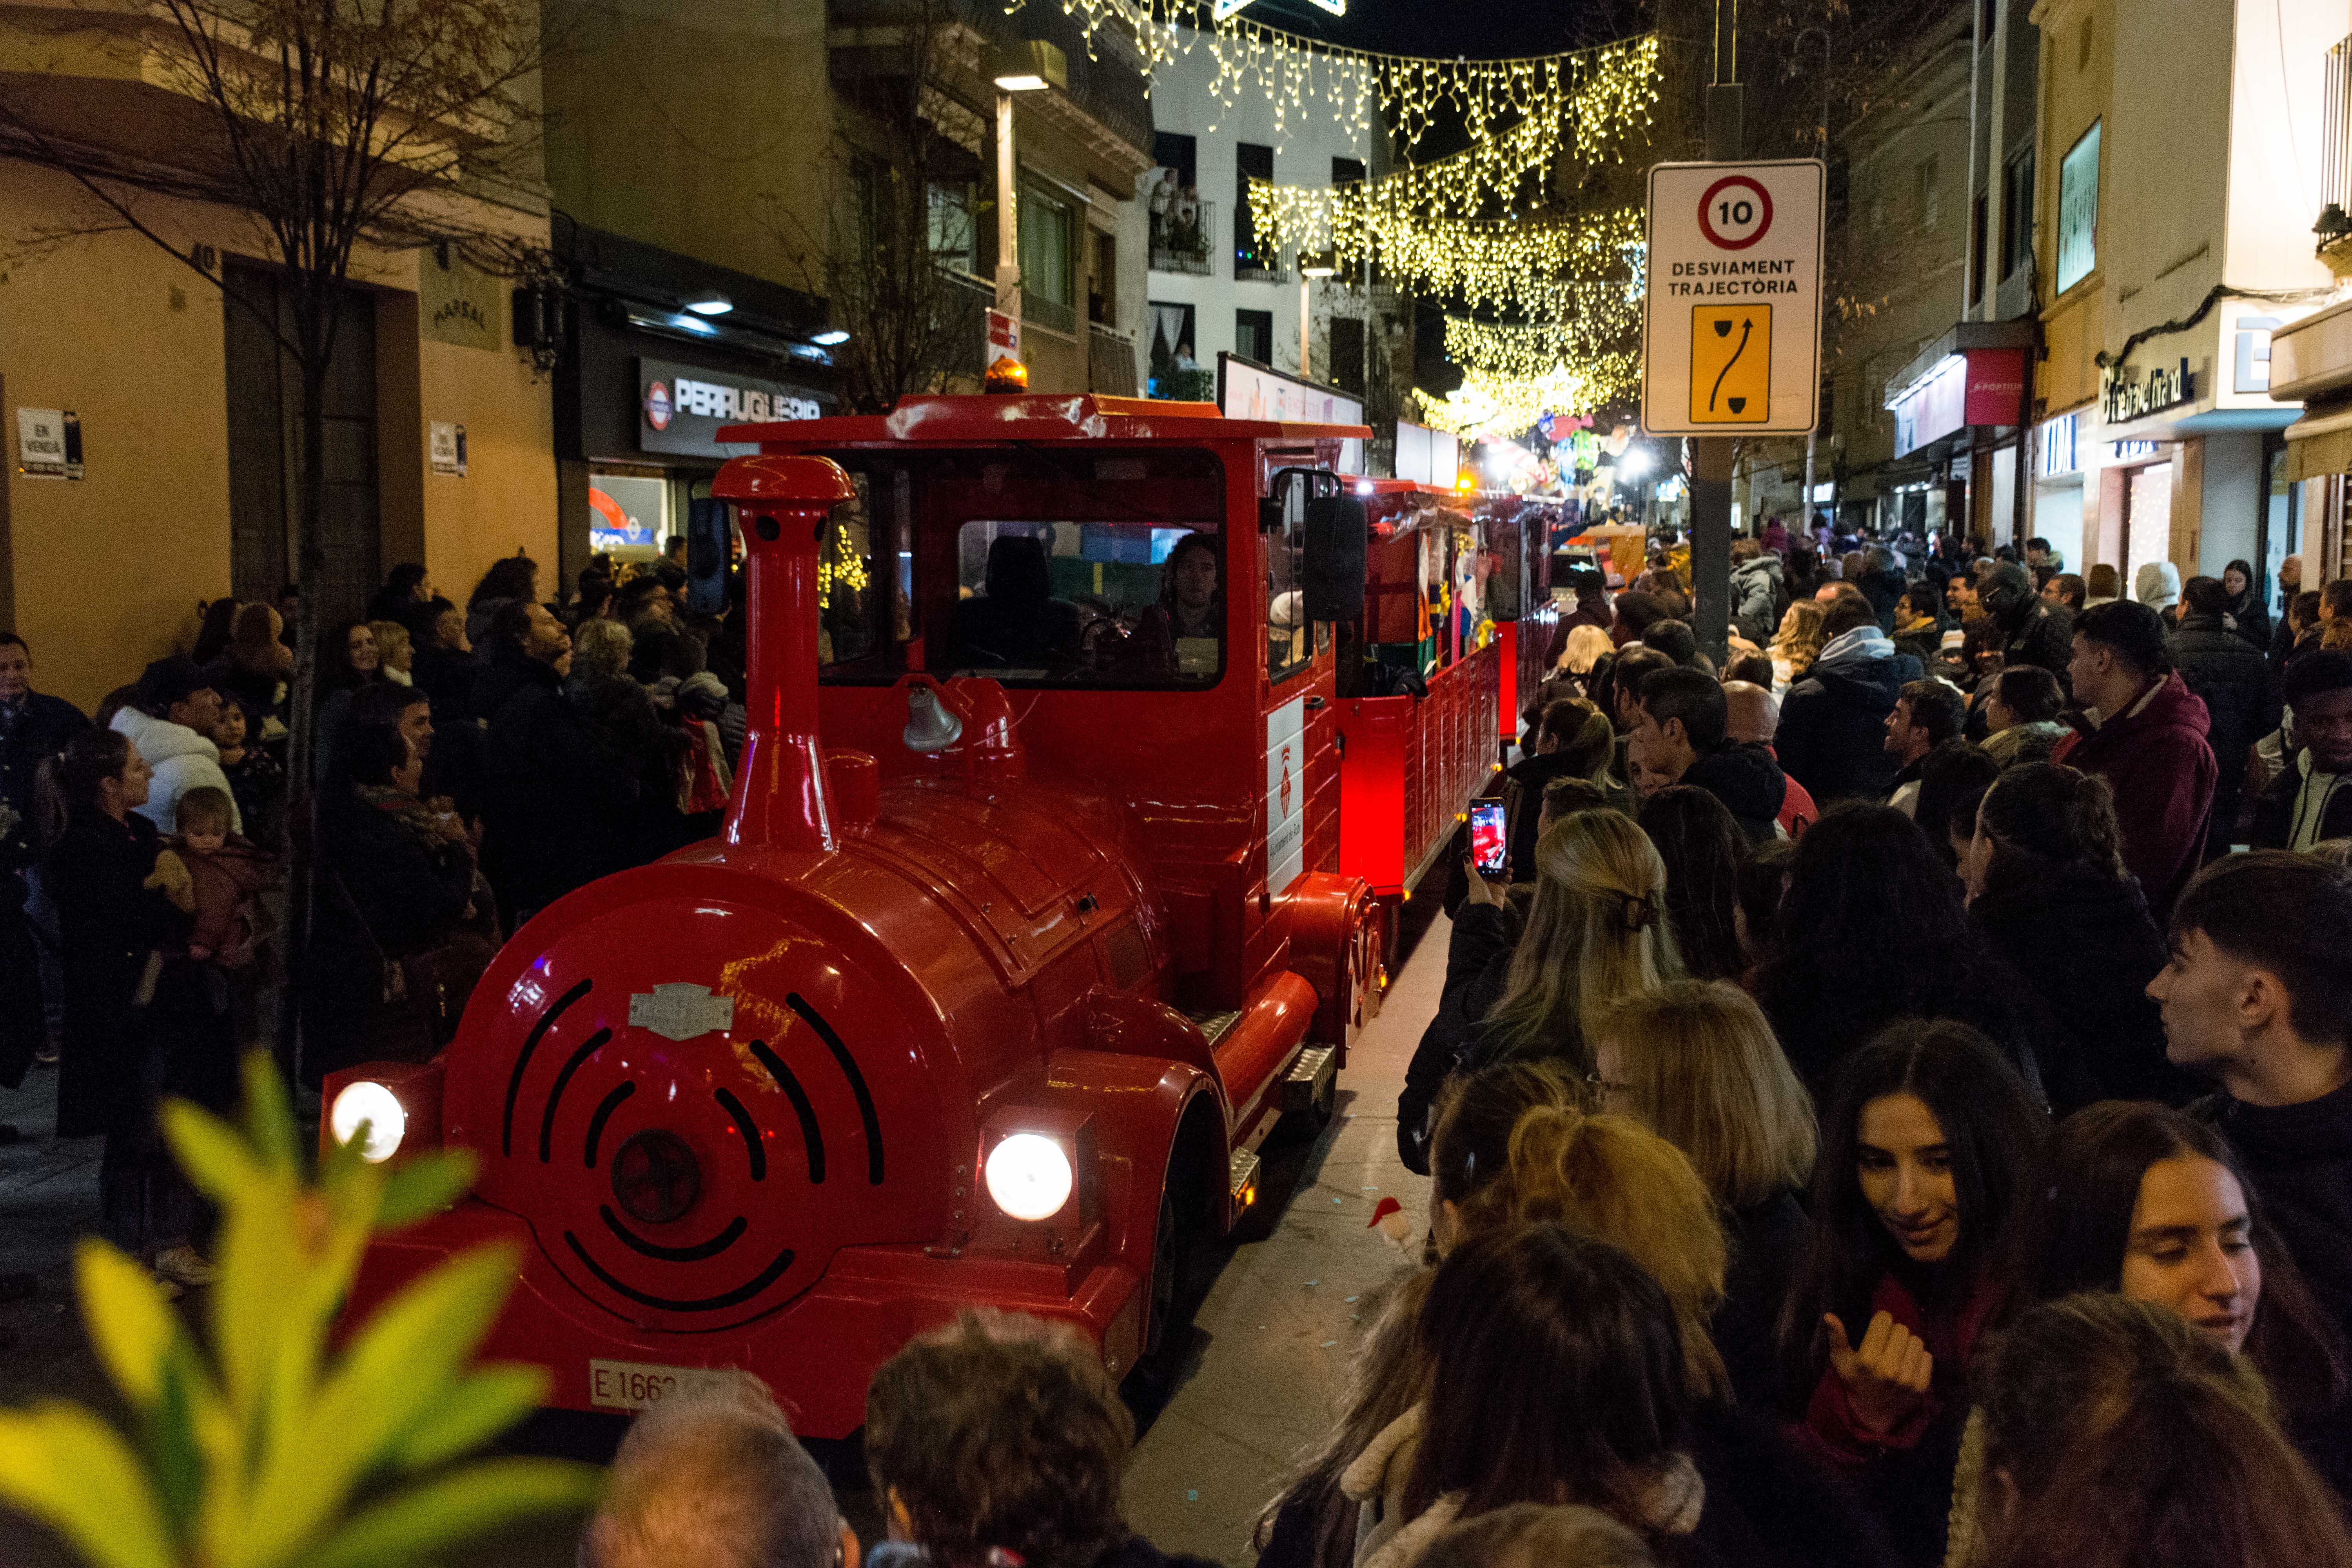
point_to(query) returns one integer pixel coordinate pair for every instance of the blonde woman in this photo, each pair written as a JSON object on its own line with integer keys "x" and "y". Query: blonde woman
{"x": 1516, "y": 1147}
{"x": 1697, "y": 1063}
{"x": 1596, "y": 933}
{"x": 1797, "y": 642}
{"x": 394, "y": 653}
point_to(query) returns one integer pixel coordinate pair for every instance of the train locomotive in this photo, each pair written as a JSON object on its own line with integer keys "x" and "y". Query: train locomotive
{"x": 1024, "y": 927}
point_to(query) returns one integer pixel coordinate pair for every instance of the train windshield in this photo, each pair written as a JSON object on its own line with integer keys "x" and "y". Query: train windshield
{"x": 1034, "y": 566}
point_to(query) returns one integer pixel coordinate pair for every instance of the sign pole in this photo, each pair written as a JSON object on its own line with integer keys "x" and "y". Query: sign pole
{"x": 1711, "y": 456}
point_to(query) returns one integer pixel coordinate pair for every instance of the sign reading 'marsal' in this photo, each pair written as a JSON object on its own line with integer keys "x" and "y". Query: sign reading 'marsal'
{"x": 1731, "y": 330}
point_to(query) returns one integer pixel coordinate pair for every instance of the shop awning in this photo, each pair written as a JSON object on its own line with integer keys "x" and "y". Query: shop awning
{"x": 2320, "y": 443}
{"x": 1973, "y": 374}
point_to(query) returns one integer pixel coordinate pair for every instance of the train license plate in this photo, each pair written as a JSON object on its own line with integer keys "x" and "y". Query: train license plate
{"x": 634, "y": 1385}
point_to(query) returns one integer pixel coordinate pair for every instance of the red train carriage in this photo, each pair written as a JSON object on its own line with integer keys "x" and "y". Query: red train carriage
{"x": 1458, "y": 597}
{"x": 1023, "y": 929}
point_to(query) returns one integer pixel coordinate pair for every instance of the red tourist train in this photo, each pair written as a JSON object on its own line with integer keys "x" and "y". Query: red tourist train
{"x": 1459, "y": 594}
{"x": 1028, "y": 921}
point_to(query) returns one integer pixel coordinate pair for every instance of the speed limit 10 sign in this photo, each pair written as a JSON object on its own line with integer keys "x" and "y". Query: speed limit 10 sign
{"x": 1732, "y": 327}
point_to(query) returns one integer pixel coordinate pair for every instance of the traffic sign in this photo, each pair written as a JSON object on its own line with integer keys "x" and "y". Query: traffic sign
{"x": 1732, "y": 325}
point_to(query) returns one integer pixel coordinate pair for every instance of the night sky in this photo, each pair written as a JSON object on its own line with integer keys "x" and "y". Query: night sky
{"x": 1493, "y": 28}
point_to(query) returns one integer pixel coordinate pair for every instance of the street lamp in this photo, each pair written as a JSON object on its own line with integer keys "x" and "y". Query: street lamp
{"x": 1311, "y": 264}
{"x": 1030, "y": 66}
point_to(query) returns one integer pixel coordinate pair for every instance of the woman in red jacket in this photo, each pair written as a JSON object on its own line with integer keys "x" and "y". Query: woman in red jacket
{"x": 1927, "y": 1130}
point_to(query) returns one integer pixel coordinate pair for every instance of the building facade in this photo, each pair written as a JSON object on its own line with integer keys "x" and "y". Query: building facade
{"x": 813, "y": 124}
{"x": 1216, "y": 286}
{"x": 1896, "y": 282}
{"x": 183, "y": 416}
{"x": 2180, "y": 153}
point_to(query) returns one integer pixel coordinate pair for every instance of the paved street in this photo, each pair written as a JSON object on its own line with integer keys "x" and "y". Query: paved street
{"x": 1269, "y": 1341}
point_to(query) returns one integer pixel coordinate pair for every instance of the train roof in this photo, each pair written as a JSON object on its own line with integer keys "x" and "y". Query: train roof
{"x": 981, "y": 419}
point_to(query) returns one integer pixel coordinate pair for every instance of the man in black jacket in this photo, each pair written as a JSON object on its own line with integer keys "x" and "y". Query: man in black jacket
{"x": 1681, "y": 717}
{"x": 2311, "y": 800}
{"x": 33, "y": 726}
{"x": 2258, "y": 994}
{"x": 556, "y": 802}
{"x": 2029, "y": 629}
{"x": 1834, "y": 722}
{"x": 2233, "y": 678}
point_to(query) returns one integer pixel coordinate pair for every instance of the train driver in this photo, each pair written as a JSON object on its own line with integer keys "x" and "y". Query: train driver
{"x": 1184, "y": 631}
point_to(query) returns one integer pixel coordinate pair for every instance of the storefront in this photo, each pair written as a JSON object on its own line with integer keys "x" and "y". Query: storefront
{"x": 1958, "y": 409}
{"x": 2199, "y": 472}
{"x": 663, "y": 351}
{"x": 2311, "y": 362}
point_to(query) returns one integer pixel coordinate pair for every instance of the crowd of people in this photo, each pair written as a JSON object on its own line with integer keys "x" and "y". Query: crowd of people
{"x": 1971, "y": 951}
{"x": 468, "y": 765}
{"x": 1893, "y": 1108}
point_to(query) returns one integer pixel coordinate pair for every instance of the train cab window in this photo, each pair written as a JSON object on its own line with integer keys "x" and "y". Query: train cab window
{"x": 1289, "y": 637}
{"x": 1089, "y": 603}
{"x": 1033, "y": 566}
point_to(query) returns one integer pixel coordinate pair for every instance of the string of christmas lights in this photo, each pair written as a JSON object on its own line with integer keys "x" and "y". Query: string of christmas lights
{"x": 1590, "y": 117}
{"x": 1531, "y": 352}
{"x": 1504, "y": 264}
{"x": 1487, "y": 405}
{"x": 1358, "y": 88}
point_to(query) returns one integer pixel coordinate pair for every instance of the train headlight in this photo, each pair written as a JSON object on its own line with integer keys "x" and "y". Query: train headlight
{"x": 366, "y": 1107}
{"x": 1029, "y": 1175}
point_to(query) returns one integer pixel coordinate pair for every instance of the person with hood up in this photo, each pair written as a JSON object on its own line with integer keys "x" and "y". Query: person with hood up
{"x": 2143, "y": 730}
{"x": 1681, "y": 733}
{"x": 1833, "y": 721}
{"x": 171, "y": 722}
{"x": 2307, "y": 804}
{"x": 1758, "y": 593}
{"x": 2233, "y": 678}
{"x": 2157, "y": 584}
{"x": 2027, "y": 628}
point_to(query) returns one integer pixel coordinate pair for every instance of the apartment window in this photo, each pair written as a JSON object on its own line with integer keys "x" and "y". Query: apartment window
{"x": 2078, "y": 210}
{"x": 1253, "y": 335}
{"x": 2017, "y": 212}
{"x": 1250, "y": 258}
{"x": 1346, "y": 369}
{"x": 1347, "y": 171}
{"x": 1927, "y": 192}
{"x": 1976, "y": 248}
{"x": 1181, "y": 154}
{"x": 955, "y": 237}
{"x": 1048, "y": 225}
{"x": 1102, "y": 298}
{"x": 1173, "y": 370}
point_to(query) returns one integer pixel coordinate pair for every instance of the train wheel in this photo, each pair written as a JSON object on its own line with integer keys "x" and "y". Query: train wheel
{"x": 1152, "y": 1380}
{"x": 1167, "y": 1276}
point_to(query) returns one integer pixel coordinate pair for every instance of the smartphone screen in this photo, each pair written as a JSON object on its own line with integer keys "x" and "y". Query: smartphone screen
{"x": 1489, "y": 849}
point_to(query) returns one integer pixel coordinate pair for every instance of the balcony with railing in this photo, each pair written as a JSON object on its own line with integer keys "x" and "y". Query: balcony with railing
{"x": 1111, "y": 361}
{"x": 1183, "y": 236}
{"x": 1043, "y": 311}
{"x": 1255, "y": 261}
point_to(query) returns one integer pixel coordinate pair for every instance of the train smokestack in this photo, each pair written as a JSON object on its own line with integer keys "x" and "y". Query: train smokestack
{"x": 782, "y": 504}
